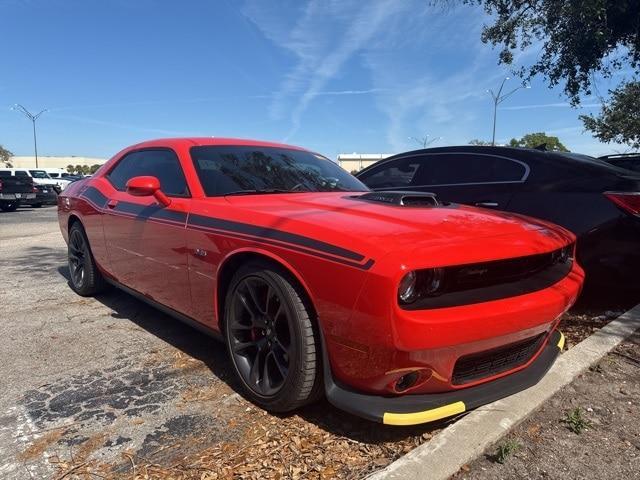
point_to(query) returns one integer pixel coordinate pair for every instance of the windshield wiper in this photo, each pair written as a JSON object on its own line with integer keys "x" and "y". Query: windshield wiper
{"x": 259, "y": 192}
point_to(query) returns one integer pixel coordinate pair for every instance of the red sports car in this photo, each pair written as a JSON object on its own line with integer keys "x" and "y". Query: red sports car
{"x": 400, "y": 308}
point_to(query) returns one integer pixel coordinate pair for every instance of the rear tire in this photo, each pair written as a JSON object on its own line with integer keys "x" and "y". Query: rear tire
{"x": 9, "y": 206}
{"x": 272, "y": 339}
{"x": 85, "y": 278}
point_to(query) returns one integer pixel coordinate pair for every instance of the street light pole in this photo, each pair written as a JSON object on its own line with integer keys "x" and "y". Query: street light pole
{"x": 33, "y": 118}
{"x": 498, "y": 98}
{"x": 424, "y": 142}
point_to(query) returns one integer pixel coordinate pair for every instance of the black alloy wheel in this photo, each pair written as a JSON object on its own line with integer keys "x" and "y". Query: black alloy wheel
{"x": 77, "y": 253}
{"x": 86, "y": 279}
{"x": 260, "y": 334}
{"x": 271, "y": 338}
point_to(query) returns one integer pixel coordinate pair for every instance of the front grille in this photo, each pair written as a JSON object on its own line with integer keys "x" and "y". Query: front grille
{"x": 493, "y": 280}
{"x": 493, "y": 362}
{"x": 466, "y": 277}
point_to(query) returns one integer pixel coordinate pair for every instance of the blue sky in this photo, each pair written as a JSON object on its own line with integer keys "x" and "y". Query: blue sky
{"x": 336, "y": 76}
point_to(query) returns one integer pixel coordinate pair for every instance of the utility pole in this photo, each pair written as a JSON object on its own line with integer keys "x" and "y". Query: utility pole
{"x": 33, "y": 119}
{"x": 498, "y": 98}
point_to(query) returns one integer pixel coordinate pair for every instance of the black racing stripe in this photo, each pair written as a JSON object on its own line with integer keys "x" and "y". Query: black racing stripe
{"x": 95, "y": 196}
{"x": 366, "y": 266}
{"x": 270, "y": 233}
{"x": 150, "y": 212}
{"x": 242, "y": 230}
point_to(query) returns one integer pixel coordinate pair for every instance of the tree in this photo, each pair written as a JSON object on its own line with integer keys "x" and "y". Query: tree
{"x": 620, "y": 120}
{"x": 533, "y": 140}
{"x": 94, "y": 168}
{"x": 573, "y": 41}
{"x": 5, "y": 157}
{"x": 577, "y": 37}
{"x": 71, "y": 168}
{"x": 476, "y": 141}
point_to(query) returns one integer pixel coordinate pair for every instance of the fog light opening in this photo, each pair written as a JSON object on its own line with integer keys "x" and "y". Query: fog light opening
{"x": 406, "y": 381}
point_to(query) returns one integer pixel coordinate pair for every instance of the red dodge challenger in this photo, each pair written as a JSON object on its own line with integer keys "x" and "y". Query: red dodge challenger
{"x": 398, "y": 307}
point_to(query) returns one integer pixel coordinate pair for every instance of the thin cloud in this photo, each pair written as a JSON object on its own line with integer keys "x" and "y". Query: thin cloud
{"x": 325, "y": 37}
{"x": 206, "y": 100}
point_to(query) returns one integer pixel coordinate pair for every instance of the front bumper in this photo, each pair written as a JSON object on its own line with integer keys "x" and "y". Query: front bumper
{"x": 415, "y": 409}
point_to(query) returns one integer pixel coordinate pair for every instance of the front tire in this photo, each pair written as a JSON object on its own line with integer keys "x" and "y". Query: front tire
{"x": 271, "y": 338}
{"x": 9, "y": 206}
{"x": 86, "y": 279}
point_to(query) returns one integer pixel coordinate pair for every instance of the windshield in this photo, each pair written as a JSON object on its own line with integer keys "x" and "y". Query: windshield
{"x": 39, "y": 174}
{"x": 225, "y": 170}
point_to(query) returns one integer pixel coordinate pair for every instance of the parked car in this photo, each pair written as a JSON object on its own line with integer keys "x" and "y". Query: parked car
{"x": 597, "y": 201}
{"x": 14, "y": 190}
{"x": 403, "y": 308}
{"x": 45, "y": 195}
{"x": 628, "y": 161}
{"x": 39, "y": 177}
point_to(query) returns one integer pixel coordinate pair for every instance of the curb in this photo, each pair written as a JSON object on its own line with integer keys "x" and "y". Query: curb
{"x": 467, "y": 438}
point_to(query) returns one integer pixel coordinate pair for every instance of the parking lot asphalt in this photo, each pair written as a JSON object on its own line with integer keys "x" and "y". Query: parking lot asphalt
{"x": 108, "y": 384}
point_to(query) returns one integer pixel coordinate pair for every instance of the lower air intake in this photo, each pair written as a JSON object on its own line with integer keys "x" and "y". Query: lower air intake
{"x": 493, "y": 362}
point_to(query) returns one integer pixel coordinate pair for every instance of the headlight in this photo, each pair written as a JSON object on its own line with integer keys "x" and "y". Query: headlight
{"x": 420, "y": 283}
{"x": 407, "y": 290}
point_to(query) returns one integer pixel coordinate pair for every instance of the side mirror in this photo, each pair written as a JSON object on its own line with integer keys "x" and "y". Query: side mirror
{"x": 147, "y": 186}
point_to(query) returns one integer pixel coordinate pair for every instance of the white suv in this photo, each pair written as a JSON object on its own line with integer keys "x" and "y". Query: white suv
{"x": 40, "y": 177}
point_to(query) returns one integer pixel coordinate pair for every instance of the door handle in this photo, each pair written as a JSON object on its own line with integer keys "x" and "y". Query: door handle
{"x": 487, "y": 204}
{"x": 112, "y": 203}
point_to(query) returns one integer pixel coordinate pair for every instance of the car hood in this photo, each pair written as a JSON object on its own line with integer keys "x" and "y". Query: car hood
{"x": 375, "y": 229}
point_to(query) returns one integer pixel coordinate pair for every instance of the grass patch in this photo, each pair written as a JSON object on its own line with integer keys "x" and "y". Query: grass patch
{"x": 575, "y": 421}
{"x": 506, "y": 449}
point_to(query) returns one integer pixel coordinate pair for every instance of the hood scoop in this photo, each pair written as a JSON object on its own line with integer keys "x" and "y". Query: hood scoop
{"x": 400, "y": 199}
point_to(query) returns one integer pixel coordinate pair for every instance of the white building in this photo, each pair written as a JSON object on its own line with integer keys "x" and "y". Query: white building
{"x": 54, "y": 162}
{"x": 357, "y": 161}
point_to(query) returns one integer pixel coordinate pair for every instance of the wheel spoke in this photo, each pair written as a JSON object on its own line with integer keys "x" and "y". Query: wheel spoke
{"x": 254, "y": 296}
{"x": 282, "y": 367}
{"x": 248, "y": 305}
{"x": 241, "y": 346}
{"x": 254, "y": 373}
{"x": 279, "y": 345}
{"x": 266, "y": 383}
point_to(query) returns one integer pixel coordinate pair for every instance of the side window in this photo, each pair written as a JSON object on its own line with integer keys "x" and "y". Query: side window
{"x": 162, "y": 164}
{"x": 21, "y": 173}
{"x": 398, "y": 173}
{"x": 5, "y": 173}
{"x": 451, "y": 169}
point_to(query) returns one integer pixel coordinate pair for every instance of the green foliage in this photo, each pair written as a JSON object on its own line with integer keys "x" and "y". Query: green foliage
{"x": 575, "y": 421}
{"x": 5, "y": 157}
{"x": 575, "y": 38}
{"x": 619, "y": 121}
{"x": 533, "y": 140}
{"x": 83, "y": 169}
{"x": 476, "y": 141}
{"x": 506, "y": 449}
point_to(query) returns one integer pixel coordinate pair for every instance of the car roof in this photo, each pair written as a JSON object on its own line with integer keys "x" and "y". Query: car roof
{"x": 211, "y": 141}
{"x": 517, "y": 153}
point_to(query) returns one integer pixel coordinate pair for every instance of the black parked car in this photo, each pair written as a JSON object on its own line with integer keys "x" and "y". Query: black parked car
{"x": 630, "y": 161}
{"x": 45, "y": 195}
{"x": 599, "y": 202}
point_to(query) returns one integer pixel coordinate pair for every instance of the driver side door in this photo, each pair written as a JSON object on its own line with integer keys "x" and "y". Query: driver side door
{"x": 147, "y": 242}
